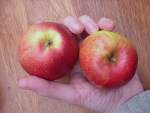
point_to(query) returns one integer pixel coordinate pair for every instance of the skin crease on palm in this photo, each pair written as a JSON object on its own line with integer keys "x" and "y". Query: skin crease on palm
{"x": 80, "y": 91}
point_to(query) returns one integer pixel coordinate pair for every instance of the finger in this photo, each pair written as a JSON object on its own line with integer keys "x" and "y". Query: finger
{"x": 89, "y": 24}
{"x": 73, "y": 24}
{"x": 134, "y": 86}
{"x": 106, "y": 24}
{"x": 77, "y": 75}
{"x": 49, "y": 89}
{"x": 135, "y": 83}
{"x": 136, "y": 80}
{"x": 136, "y": 76}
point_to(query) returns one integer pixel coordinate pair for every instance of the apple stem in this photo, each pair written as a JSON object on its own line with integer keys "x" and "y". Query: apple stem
{"x": 49, "y": 43}
{"x": 111, "y": 58}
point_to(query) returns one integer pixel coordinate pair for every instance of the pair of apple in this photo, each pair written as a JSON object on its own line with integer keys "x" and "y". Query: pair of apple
{"x": 49, "y": 50}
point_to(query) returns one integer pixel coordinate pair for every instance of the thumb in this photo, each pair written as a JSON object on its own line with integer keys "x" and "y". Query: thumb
{"x": 50, "y": 89}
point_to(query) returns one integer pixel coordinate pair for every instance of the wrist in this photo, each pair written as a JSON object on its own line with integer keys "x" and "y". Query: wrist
{"x": 137, "y": 104}
{"x": 111, "y": 102}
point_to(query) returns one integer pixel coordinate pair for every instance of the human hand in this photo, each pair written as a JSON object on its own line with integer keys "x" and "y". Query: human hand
{"x": 79, "y": 91}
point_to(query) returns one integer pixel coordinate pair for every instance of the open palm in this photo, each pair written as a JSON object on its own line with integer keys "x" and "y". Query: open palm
{"x": 79, "y": 91}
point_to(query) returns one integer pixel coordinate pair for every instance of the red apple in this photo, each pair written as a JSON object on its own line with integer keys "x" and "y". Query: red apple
{"x": 48, "y": 50}
{"x": 107, "y": 59}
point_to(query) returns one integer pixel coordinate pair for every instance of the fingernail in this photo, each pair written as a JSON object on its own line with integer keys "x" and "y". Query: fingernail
{"x": 73, "y": 24}
{"x": 106, "y": 24}
{"x": 89, "y": 24}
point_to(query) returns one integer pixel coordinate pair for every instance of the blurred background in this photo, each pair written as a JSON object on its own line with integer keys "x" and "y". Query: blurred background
{"x": 132, "y": 19}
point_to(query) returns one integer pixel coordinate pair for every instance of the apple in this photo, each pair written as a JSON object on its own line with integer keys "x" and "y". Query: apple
{"x": 108, "y": 59}
{"x": 48, "y": 50}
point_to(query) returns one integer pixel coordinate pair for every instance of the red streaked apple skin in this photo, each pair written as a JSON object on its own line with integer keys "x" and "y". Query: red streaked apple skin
{"x": 94, "y": 55}
{"x": 49, "y": 62}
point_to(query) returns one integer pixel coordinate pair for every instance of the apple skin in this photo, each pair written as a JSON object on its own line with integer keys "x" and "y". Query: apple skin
{"x": 108, "y": 59}
{"x": 48, "y": 50}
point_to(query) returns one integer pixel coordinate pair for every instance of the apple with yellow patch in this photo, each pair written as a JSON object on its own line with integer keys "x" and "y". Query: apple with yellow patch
{"x": 48, "y": 50}
{"x": 108, "y": 59}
